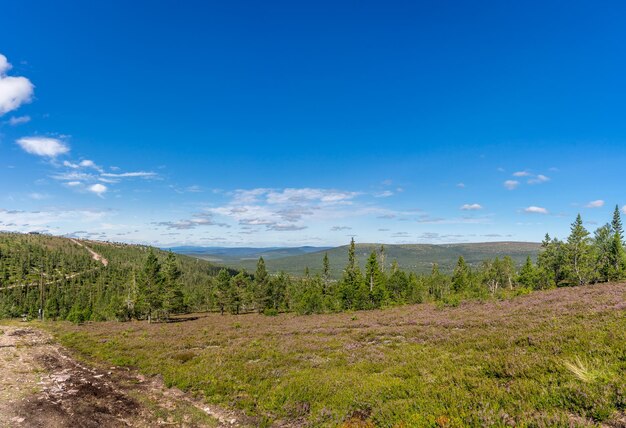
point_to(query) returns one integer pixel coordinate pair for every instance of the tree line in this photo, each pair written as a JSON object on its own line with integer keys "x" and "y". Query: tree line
{"x": 579, "y": 260}
{"x": 144, "y": 283}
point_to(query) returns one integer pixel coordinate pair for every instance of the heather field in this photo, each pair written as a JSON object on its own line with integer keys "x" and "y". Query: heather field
{"x": 551, "y": 358}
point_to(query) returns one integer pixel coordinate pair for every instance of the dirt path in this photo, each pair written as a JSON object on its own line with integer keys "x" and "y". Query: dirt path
{"x": 42, "y": 385}
{"x": 97, "y": 257}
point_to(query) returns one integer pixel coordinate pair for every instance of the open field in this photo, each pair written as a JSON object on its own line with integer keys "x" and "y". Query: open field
{"x": 553, "y": 358}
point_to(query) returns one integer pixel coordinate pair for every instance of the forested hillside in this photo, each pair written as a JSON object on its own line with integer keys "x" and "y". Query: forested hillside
{"x": 60, "y": 275}
{"x": 87, "y": 280}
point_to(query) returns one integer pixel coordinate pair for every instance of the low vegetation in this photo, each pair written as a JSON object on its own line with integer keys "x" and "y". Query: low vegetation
{"x": 552, "y": 358}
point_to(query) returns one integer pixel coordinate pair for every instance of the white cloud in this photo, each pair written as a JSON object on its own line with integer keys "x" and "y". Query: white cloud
{"x": 308, "y": 194}
{"x": 138, "y": 174}
{"x": 511, "y": 184}
{"x": 384, "y": 194}
{"x": 38, "y": 196}
{"x": 461, "y": 185}
{"x": 521, "y": 174}
{"x": 539, "y": 179}
{"x": 595, "y": 204}
{"x": 42, "y": 146}
{"x": 471, "y": 207}
{"x": 536, "y": 210}
{"x": 14, "y": 91}
{"x": 624, "y": 209}
{"x": 289, "y": 209}
{"x": 98, "y": 189}
{"x": 14, "y": 121}
{"x": 73, "y": 183}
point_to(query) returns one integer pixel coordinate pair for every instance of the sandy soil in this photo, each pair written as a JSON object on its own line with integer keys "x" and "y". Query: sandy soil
{"x": 97, "y": 257}
{"x": 42, "y": 385}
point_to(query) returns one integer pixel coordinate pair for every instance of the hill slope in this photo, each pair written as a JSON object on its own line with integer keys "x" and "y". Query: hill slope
{"x": 551, "y": 358}
{"x": 411, "y": 257}
{"x": 93, "y": 277}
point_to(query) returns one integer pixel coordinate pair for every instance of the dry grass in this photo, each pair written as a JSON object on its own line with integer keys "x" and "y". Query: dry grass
{"x": 536, "y": 360}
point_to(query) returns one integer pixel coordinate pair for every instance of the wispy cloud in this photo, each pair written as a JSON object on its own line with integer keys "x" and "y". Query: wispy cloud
{"x": 511, "y": 184}
{"x": 595, "y": 204}
{"x": 19, "y": 120}
{"x": 471, "y": 207}
{"x": 383, "y": 194}
{"x": 539, "y": 179}
{"x": 137, "y": 174}
{"x": 521, "y": 174}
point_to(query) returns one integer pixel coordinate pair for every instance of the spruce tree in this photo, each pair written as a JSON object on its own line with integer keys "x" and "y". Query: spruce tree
{"x": 460, "y": 276}
{"x": 262, "y": 286}
{"x": 172, "y": 288}
{"x": 616, "y": 223}
{"x": 222, "y": 290}
{"x": 325, "y": 274}
{"x": 351, "y": 280}
{"x": 151, "y": 286}
{"x": 528, "y": 274}
{"x": 375, "y": 280}
{"x": 579, "y": 252}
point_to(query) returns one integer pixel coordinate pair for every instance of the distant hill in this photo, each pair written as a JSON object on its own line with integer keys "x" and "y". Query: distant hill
{"x": 411, "y": 257}
{"x": 231, "y": 255}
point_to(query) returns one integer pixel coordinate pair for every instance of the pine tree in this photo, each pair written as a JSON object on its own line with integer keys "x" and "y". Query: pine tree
{"x": 172, "y": 288}
{"x": 528, "y": 274}
{"x": 262, "y": 286}
{"x": 351, "y": 281}
{"x": 617, "y": 259}
{"x": 616, "y": 224}
{"x": 222, "y": 283}
{"x": 151, "y": 286}
{"x": 579, "y": 252}
{"x": 461, "y": 276}
{"x": 375, "y": 280}
{"x": 603, "y": 243}
{"x": 325, "y": 274}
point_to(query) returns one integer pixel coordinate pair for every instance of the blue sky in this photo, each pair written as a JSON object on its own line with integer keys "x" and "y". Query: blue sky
{"x": 294, "y": 123}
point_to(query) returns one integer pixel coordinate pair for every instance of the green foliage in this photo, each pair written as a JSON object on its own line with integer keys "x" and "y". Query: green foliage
{"x": 145, "y": 283}
{"x": 552, "y": 359}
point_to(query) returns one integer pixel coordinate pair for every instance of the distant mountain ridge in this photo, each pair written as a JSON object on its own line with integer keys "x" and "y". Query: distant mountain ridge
{"x": 417, "y": 258}
{"x": 229, "y": 254}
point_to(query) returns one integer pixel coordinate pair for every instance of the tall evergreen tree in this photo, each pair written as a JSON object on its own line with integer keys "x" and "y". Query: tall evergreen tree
{"x": 461, "y": 276}
{"x": 528, "y": 274}
{"x": 375, "y": 280}
{"x": 325, "y": 274}
{"x": 351, "y": 281}
{"x": 151, "y": 286}
{"x": 262, "y": 286}
{"x": 222, "y": 290}
{"x": 172, "y": 288}
{"x": 579, "y": 252}
{"x": 616, "y": 223}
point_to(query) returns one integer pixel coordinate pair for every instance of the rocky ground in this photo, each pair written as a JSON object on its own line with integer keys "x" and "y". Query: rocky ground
{"x": 43, "y": 385}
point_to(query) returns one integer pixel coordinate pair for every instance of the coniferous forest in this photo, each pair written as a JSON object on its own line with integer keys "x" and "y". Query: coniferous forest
{"x": 60, "y": 277}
